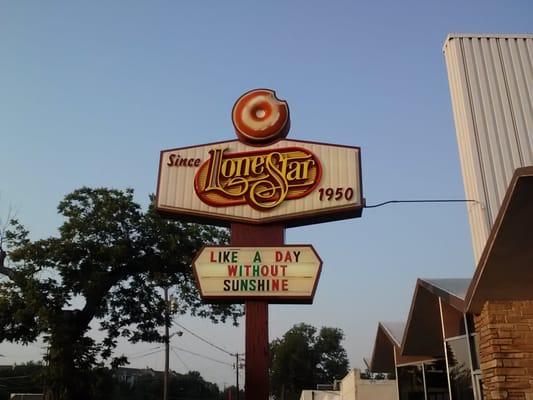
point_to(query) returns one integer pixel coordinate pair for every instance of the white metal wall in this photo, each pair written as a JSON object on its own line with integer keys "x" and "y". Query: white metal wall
{"x": 491, "y": 85}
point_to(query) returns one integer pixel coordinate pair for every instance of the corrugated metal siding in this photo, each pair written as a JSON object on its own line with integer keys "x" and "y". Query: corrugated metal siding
{"x": 491, "y": 86}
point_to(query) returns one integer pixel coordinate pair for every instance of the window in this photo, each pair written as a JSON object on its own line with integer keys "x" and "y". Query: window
{"x": 474, "y": 350}
{"x": 436, "y": 380}
{"x": 410, "y": 382}
{"x": 459, "y": 368}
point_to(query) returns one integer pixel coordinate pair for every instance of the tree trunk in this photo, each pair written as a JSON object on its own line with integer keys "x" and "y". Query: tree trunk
{"x": 65, "y": 379}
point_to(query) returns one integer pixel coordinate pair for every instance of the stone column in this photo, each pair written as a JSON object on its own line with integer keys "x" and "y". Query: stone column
{"x": 505, "y": 330}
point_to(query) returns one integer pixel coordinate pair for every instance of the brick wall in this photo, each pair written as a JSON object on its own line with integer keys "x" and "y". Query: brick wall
{"x": 505, "y": 331}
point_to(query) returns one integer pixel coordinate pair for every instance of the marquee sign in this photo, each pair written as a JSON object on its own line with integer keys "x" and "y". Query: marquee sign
{"x": 281, "y": 274}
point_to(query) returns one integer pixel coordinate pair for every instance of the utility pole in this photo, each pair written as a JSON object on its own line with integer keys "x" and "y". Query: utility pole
{"x": 167, "y": 343}
{"x": 237, "y": 374}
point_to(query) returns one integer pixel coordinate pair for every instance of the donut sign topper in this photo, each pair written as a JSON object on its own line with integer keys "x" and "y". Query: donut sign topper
{"x": 262, "y": 177}
{"x": 260, "y": 117}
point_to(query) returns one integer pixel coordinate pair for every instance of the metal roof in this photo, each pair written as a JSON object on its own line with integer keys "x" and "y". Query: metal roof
{"x": 384, "y": 347}
{"x": 454, "y": 286}
{"x": 386, "y": 352}
{"x": 394, "y": 330}
{"x": 423, "y": 330}
{"x": 459, "y": 35}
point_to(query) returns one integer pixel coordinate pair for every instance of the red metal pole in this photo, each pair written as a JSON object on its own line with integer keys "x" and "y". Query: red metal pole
{"x": 256, "y": 383}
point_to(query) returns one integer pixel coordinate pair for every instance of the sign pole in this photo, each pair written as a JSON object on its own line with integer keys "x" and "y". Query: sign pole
{"x": 256, "y": 383}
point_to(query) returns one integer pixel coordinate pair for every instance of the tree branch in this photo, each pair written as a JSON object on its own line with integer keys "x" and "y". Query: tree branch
{"x": 93, "y": 300}
{"x": 3, "y": 269}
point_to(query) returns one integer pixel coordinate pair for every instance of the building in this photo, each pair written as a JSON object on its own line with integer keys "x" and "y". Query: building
{"x": 320, "y": 395}
{"x": 473, "y": 338}
{"x": 355, "y": 387}
{"x": 131, "y": 375}
{"x": 491, "y": 86}
{"x": 433, "y": 353}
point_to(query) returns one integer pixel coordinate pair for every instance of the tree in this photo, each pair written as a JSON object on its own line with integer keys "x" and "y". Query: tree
{"x": 106, "y": 265}
{"x": 302, "y": 359}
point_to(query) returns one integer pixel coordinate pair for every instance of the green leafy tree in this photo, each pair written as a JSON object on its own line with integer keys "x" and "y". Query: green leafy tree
{"x": 301, "y": 359}
{"x": 106, "y": 264}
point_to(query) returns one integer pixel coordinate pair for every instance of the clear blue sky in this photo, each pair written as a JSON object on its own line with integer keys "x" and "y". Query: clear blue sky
{"x": 90, "y": 92}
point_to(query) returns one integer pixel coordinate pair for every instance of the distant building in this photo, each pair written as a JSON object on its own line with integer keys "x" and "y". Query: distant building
{"x": 130, "y": 375}
{"x": 320, "y": 395}
{"x": 354, "y": 387}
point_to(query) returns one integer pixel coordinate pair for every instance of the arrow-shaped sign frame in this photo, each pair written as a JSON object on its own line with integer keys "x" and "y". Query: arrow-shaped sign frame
{"x": 289, "y": 273}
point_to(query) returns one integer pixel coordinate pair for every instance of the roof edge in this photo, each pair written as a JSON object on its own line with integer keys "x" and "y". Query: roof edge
{"x": 410, "y": 315}
{"x": 442, "y": 293}
{"x": 459, "y": 35}
{"x": 389, "y": 333}
{"x": 519, "y": 173}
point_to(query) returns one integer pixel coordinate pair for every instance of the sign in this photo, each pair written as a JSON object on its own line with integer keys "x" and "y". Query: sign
{"x": 292, "y": 181}
{"x": 262, "y": 177}
{"x": 278, "y": 273}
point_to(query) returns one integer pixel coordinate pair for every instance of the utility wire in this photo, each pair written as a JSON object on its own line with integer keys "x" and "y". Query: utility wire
{"x": 180, "y": 359}
{"x": 204, "y": 340}
{"x": 143, "y": 351}
{"x": 203, "y": 356}
{"x": 421, "y": 201}
{"x": 147, "y": 354}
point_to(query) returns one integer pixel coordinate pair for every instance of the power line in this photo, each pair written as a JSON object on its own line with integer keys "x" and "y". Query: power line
{"x": 181, "y": 359}
{"x": 421, "y": 201}
{"x": 143, "y": 351}
{"x": 203, "y": 356}
{"x": 147, "y": 354}
{"x": 204, "y": 340}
